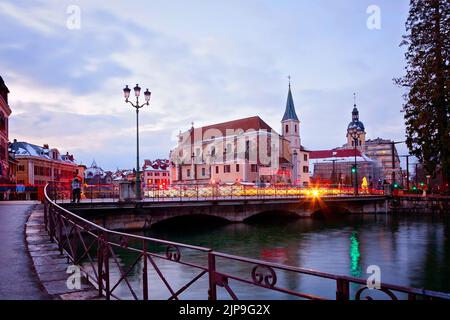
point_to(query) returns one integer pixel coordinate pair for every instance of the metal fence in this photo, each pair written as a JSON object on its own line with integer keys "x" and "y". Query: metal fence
{"x": 96, "y": 250}
{"x": 186, "y": 192}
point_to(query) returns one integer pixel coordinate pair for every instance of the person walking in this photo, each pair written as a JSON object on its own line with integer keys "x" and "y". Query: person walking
{"x": 76, "y": 190}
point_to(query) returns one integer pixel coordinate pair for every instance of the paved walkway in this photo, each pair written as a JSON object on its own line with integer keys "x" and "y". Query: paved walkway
{"x": 17, "y": 278}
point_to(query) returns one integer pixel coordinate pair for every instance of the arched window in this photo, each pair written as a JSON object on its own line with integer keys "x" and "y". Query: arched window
{"x": 287, "y": 128}
{"x": 295, "y": 128}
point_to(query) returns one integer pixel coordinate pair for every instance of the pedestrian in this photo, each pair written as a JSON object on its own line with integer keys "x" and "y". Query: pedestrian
{"x": 76, "y": 190}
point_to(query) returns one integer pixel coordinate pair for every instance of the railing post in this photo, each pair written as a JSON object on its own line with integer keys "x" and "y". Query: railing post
{"x": 100, "y": 265}
{"x": 212, "y": 292}
{"x": 60, "y": 232}
{"x": 144, "y": 272}
{"x": 45, "y": 214}
{"x": 51, "y": 226}
{"x": 106, "y": 264}
{"x": 342, "y": 289}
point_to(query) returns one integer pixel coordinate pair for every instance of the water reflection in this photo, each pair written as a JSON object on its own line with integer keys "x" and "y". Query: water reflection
{"x": 355, "y": 255}
{"x": 410, "y": 250}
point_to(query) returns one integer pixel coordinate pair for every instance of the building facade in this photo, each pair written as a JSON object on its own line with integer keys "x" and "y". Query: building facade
{"x": 156, "y": 174}
{"x": 334, "y": 167}
{"x": 5, "y": 159}
{"x": 242, "y": 151}
{"x": 37, "y": 166}
{"x": 382, "y": 151}
{"x": 385, "y": 153}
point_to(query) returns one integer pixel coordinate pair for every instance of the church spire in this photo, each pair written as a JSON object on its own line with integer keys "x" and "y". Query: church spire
{"x": 355, "y": 112}
{"x": 290, "y": 113}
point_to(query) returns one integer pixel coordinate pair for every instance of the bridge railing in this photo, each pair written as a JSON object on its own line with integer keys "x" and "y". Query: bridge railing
{"x": 100, "y": 254}
{"x": 186, "y": 192}
{"x": 244, "y": 191}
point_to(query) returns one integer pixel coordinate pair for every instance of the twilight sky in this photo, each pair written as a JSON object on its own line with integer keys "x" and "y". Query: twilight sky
{"x": 204, "y": 61}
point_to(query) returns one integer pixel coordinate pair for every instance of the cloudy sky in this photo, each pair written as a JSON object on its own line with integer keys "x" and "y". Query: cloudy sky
{"x": 205, "y": 62}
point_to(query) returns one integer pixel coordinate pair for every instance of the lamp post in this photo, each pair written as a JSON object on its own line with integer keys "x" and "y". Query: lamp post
{"x": 355, "y": 135}
{"x": 137, "y": 106}
{"x": 407, "y": 170}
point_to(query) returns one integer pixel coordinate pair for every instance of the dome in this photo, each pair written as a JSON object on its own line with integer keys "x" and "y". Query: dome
{"x": 356, "y": 124}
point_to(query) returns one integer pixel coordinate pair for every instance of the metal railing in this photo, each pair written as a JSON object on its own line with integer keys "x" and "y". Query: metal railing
{"x": 96, "y": 250}
{"x": 189, "y": 192}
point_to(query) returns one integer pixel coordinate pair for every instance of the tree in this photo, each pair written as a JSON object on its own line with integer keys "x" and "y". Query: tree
{"x": 426, "y": 108}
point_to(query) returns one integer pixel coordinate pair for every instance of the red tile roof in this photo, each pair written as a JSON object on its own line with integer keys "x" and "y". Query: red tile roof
{"x": 341, "y": 153}
{"x": 255, "y": 123}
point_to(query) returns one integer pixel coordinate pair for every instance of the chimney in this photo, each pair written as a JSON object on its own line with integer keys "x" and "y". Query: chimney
{"x": 45, "y": 146}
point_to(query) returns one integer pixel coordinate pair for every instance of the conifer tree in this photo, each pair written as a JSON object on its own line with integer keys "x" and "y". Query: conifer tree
{"x": 426, "y": 108}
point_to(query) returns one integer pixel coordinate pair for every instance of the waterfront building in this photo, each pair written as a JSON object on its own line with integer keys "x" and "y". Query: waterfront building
{"x": 382, "y": 151}
{"x": 385, "y": 153}
{"x": 246, "y": 150}
{"x": 156, "y": 174}
{"x": 334, "y": 167}
{"x": 6, "y": 159}
{"x": 37, "y": 166}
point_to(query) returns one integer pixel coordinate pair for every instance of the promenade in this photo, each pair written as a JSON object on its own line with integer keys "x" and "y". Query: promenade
{"x": 17, "y": 277}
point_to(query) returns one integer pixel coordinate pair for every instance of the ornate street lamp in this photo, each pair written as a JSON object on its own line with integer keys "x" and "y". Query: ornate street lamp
{"x": 137, "y": 106}
{"x": 355, "y": 135}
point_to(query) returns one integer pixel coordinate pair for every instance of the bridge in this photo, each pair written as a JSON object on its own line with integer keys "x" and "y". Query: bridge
{"x": 94, "y": 248}
{"x": 143, "y": 215}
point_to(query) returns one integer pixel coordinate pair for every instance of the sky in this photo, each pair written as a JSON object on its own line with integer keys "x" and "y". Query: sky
{"x": 66, "y": 63}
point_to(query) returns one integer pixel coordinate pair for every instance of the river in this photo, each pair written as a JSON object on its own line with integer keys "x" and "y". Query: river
{"x": 411, "y": 251}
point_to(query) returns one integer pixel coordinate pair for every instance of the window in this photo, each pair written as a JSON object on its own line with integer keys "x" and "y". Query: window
{"x": 305, "y": 157}
{"x": 254, "y": 168}
{"x": 188, "y": 172}
{"x": 287, "y": 128}
{"x": 203, "y": 172}
{"x": 237, "y": 168}
{"x": 217, "y": 169}
{"x": 295, "y": 128}
{"x": 227, "y": 168}
{"x": 305, "y": 169}
{"x": 213, "y": 151}
{"x": 156, "y": 174}
{"x": 20, "y": 167}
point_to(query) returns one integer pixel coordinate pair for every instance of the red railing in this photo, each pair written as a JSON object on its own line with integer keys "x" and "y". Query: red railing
{"x": 96, "y": 250}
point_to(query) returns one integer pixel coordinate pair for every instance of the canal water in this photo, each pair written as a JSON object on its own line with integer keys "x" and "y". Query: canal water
{"x": 411, "y": 251}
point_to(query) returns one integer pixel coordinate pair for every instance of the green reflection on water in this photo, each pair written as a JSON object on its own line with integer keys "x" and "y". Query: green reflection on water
{"x": 355, "y": 256}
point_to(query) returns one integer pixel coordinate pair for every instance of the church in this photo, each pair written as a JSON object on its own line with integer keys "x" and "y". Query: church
{"x": 377, "y": 159}
{"x": 243, "y": 151}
